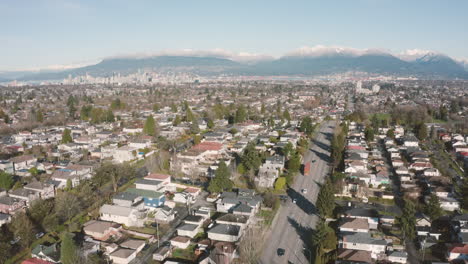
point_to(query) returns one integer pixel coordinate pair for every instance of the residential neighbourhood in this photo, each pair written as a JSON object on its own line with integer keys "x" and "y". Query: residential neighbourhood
{"x": 135, "y": 175}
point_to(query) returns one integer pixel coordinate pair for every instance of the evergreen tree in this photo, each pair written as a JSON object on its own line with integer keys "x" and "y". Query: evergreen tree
{"x": 66, "y": 136}
{"x": 306, "y": 126}
{"x": 286, "y": 115}
{"x": 326, "y": 200}
{"x": 422, "y": 131}
{"x": 251, "y": 158}
{"x": 68, "y": 249}
{"x": 434, "y": 211}
{"x": 177, "y": 121}
{"x": 210, "y": 124}
{"x": 6, "y": 180}
{"x": 39, "y": 116}
{"x": 194, "y": 128}
{"x": 150, "y": 126}
{"x": 294, "y": 163}
{"x": 407, "y": 220}
{"x": 369, "y": 133}
{"x": 241, "y": 114}
{"x": 221, "y": 181}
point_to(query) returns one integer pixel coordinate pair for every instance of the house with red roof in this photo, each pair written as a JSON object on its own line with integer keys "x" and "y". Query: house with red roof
{"x": 457, "y": 251}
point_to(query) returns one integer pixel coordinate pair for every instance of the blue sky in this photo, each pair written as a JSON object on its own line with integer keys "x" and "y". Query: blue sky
{"x": 41, "y": 33}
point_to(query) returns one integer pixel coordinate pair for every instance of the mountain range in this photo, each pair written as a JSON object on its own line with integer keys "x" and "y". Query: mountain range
{"x": 323, "y": 61}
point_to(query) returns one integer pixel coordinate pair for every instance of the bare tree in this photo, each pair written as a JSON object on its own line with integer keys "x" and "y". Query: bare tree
{"x": 251, "y": 245}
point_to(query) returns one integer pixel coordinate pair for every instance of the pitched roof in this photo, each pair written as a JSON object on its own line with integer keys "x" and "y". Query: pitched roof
{"x": 354, "y": 255}
{"x": 122, "y": 253}
{"x": 133, "y": 243}
{"x": 145, "y": 193}
{"x": 354, "y": 223}
{"x": 225, "y": 229}
{"x": 157, "y": 176}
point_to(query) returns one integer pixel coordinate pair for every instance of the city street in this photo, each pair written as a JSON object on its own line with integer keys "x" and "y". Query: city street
{"x": 294, "y": 223}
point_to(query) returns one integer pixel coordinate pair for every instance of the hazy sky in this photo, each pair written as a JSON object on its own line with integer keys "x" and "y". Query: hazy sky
{"x": 36, "y": 33}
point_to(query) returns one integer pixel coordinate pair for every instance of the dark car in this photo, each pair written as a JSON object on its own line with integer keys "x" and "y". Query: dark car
{"x": 280, "y": 251}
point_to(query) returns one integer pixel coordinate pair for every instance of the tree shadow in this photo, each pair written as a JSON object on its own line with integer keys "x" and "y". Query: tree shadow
{"x": 301, "y": 202}
{"x": 328, "y": 135}
{"x": 322, "y": 156}
{"x": 304, "y": 232}
{"x": 321, "y": 145}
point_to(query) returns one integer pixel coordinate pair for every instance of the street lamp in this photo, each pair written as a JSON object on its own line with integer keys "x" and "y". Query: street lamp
{"x": 310, "y": 254}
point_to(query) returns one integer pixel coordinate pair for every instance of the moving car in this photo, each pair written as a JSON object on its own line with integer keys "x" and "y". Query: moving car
{"x": 280, "y": 251}
{"x": 304, "y": 191}
{"x": 294, "y": 200}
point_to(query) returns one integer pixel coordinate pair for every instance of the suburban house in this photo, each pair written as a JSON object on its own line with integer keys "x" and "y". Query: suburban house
{"x": 122, "y": 215}
{"x": 364, "y": 241}
{"x": 48, "y": 253}
{"x": 457, "y": 252}
{"x": 128, "y": 199}
{"x": 180, "y": 242}
{"x": 346, "y": 256}
{"x": 125, "y": 153}
{"x": 24, "y": 162}
{"x": 135, "y": 244}
{"x": 353, "y": 225}
{"x": 24, "y": 194}
{"x": 101, "y": 230}
{"x": 151, "y": 199}
{"x": 45, "y": 190}
{"x": 369, "y": 214}
{"x": 229, "y": 200}
{"x": 398, "y": 257}
{"x": 10, "y": 205}
{"x": 224, "y": 232}
{"x": 123, "y": 255}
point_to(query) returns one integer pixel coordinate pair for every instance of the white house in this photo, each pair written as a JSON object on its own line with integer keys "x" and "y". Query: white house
{"x": 363, "y": 241}
{"x": 123, "y": 255}
{"x": 223, "y": 232}
{"x": 122, "y": 215}
{"x": 125, "y": 153}
{"x": 398, "y": 257}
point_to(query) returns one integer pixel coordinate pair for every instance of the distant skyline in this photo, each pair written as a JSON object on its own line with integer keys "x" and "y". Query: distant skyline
{"x": 58, "y": 34}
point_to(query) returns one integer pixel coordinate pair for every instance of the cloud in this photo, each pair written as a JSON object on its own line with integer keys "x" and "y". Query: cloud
{"x": 320, "y": 50}
{"x": 413, "y": 54}
{"x": 218, "y": 53}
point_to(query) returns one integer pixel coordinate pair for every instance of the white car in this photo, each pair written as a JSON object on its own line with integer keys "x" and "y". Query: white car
{"x": 294, "y": 200}
{"x": 304, "y": 191}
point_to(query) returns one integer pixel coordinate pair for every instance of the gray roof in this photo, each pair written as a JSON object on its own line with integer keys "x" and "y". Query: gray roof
{"x": 115, "y": 210}
{"x": 363, "y": 238}
{"x": 193, "y": 218}
{"x": 187, "y": 227}
{"x": 243, "y": 208}
{"x": 225, "y": 229}
{"x": 9, "y": 200}
{"x": 4, "y": 216}
{"x": 148, "y": 182}
{"x": 126, "y": 196}
{"x": 398, "y": 254}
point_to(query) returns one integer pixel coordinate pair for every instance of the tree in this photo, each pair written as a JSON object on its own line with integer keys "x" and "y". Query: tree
{"x": 40, "y": 209}
{"x": 210, "y": 124}
{"x": 6, "y": 180}
{"x": 6, "y": 250}
{"x": 250, "y": 246}
{"x": 421, "y": 131}
{"x": 66, "y": 136}
{"x": 286, "y": 115}
{"x": 194, "y": 128}
{"x": 326, "y": 200}
{"x": 150, "y": 126}
{"x": 241, "y": 114}
{"x": 67, "y": 205}
{"x": 433, "y": 209}
{"x": 288, "y": 149}
{"x": 156, "y": 107}
{"x": 39, "y": 116}
{"x": 391, "y": 133}
{"x": 464, "y": 193}
{"x": 221, "y": 181}
{"x": 294, "y": 163}
{"x": 177, "y": 120}
{"x": 369, "y": 134}
{"x": 306, "y": 126}
{"x": 251, "y": 158}
{"x": 280, "y": 183}
{"x": 22, "y": 227}
{"x": 407, "y": 220}
{"x": 68, "y": 249}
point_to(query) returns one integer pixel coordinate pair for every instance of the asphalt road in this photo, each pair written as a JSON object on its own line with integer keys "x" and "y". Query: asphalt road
{"x": 294, "y": 223}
